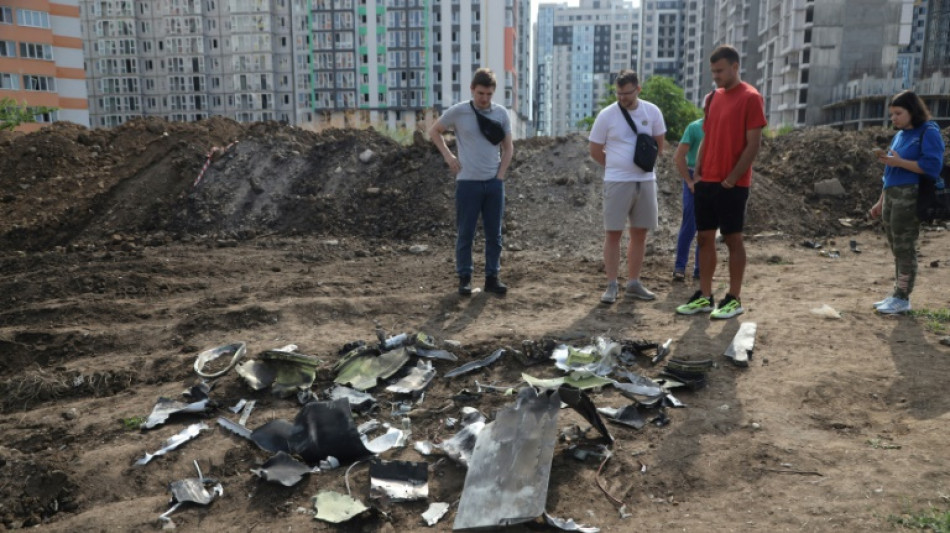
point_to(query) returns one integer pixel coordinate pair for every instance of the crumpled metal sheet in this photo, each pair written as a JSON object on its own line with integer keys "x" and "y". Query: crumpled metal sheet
{"x": 359, "y": 401}
{"x": 568, "y": 524}
{"x": 507, "y": 480}
{"x": 581, "y": 402}
{"x": 638, "y": 385}
{"x": 599, "y": 359}
{"x": 462, "y": 444}
{"x": 475, "y": 365}
{"x": 165, "y": 407}
{"x": 627, "y": 416}
{"x": 235, "y": 350}
{"x": 415, "y": 381}
{"x": 282, "y": 468}
{"x": 399, "y": 481}
{"x": 194, "y": 490}
{"x": 364, "y": 371}
{"x": 336, "y": 508}
{"x": 435, "y": 512}
{"x": 175, "y": 441}
{"x": 285, "y": 372}
{"x": 579, "y": 379}
{"x": 393, "y": 438}
{"x": 740, "y": 350}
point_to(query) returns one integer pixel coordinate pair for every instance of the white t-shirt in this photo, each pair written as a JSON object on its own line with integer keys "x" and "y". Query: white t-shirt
{"x": 612, "y": 130}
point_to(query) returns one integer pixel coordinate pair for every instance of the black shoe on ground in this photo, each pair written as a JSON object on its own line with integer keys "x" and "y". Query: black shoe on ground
{"x": 493, "y": 284}
{"x": 465, "y": 285}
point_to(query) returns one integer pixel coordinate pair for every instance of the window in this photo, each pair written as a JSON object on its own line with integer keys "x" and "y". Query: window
{"x": 36, "y": 51}
{"x": 11, "y": 82}
{"x": 36, "y": 19}
{"x": 6, "y": 15}
{"x": 47, "y": 117}
{"x": 39, "y": 83}
{"x": 7, "y": 49}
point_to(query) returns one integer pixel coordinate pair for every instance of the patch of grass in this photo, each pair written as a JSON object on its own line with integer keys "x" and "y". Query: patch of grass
{"x": 132, "y": 423}
{"x": 932, "y": 519}
{"x": 784, "y": 129}
{"x": 880, "y": 444}
{"x": 937, "y": 321}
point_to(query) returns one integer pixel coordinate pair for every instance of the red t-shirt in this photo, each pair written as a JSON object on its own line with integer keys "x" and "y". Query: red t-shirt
{"x": 730, "y": 115}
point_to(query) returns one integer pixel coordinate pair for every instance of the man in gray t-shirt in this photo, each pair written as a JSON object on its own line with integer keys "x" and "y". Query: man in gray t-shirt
{"x": 480, "y": 175}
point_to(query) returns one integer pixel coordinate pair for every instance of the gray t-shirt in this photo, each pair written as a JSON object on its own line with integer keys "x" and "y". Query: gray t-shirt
{"x": 479, "y": 158}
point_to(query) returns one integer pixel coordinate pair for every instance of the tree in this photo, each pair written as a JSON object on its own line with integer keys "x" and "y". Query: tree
{"x": 677, "y": 111}
{"x": 13, "y": 114}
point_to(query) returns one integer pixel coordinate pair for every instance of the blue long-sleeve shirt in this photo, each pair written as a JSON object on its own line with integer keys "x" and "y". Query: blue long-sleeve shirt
{"x": 926, "y": 149}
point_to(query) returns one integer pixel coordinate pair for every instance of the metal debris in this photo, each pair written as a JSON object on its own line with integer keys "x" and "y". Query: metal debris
{"x": 568, "y": 525}
{"x": 462, "y": 444}
{"x": 638, "y": 385}
{"x": 393, "y": 438}
{"x": 740, "y": 350}
{"x": 399, "y": 481}
{"x": 192, "y": 490}
{"x": 475, "y": 365}
{"x": 435, "y": 512}
{"x": 579, "y": 379}
{"x": 627, "y": 416}
{"x": 360, "y": 402}
{"x": 336, "y": 508}
{"x": 236, "y": 351}
{"x": 283, "y": 469}
{"x": 174, "y": 441}
{"x": 363, "y": 371}
{"x": 507, "y": 480}
{"x": 443, "y": 355}
{"x": 284, "y": 371}
{"x": 415, "y": 381}
{"x": 581, "y": 402}
{"x": 165, "y": 407}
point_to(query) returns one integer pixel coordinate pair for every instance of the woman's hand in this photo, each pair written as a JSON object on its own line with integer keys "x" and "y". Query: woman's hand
{"x": 891, "y": 159}
{"x": 876, "y": 209}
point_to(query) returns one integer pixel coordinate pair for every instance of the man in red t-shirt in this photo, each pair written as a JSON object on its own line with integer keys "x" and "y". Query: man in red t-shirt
{"x": 732, "y": 136}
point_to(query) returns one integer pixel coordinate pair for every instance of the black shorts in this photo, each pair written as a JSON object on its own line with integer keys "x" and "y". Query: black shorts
{"x": 720, "y": 208}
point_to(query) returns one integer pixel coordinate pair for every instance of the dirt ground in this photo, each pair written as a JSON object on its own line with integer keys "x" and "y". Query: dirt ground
{"x": 117, "y": 269}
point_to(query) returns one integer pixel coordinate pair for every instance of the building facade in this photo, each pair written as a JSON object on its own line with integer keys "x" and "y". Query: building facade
{"x": 579, "y": 51}
{"x": 663, "y": 39}
{"x": 41, "y": 60}
{"x": 342, "y": 62}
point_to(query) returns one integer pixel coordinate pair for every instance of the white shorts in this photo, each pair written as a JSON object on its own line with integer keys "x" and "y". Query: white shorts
{"x": 630, "y": 203}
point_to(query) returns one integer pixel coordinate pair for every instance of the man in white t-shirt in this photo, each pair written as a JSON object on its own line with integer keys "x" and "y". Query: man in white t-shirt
{"x": 629, "y": 191}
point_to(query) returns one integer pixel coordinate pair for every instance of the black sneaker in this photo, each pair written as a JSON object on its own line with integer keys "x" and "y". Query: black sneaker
{"x": 493, "y": 284}
{"x": 465, "y": 285}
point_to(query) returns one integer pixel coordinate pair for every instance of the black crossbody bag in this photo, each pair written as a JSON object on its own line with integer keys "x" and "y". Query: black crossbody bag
{"x": 490, "y": 128}
{"x": 644, "y": 156}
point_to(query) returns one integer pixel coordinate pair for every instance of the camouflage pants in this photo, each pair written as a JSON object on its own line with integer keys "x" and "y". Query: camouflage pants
{"x": 902, "y": 227}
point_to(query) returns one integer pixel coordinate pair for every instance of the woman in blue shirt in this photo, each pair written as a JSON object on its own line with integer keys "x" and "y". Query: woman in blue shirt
{"x": 916, "y": 153}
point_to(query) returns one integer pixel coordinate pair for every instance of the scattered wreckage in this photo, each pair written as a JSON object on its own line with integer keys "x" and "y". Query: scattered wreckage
{"x": 507, "y": 457}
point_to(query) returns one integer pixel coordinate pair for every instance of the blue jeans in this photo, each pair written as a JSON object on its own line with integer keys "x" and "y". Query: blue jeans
{"x": 474, "y": 198}
{"x": 687, "y": 233}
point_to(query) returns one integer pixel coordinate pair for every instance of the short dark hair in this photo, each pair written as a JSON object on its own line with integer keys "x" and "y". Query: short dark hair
{"x": 914, "y": 105}
{"x": 627, "y": 76}
{"x": 484, "y": 77}
{"x": 725, "y": 51}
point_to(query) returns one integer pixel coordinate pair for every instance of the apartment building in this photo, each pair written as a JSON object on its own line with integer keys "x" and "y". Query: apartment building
{"x": 41, "y": 62}
{"x": 344, "y": 62}
{"x": 697, "y": 39}
{"x": 579, "y": 52}
{"x": 663, "y": 39}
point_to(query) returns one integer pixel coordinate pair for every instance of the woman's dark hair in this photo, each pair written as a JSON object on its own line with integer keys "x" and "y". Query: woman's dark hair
{"x": 914, "y": 105}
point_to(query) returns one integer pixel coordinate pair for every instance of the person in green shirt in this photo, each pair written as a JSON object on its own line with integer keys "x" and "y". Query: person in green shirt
{"x": 685, "y": 160}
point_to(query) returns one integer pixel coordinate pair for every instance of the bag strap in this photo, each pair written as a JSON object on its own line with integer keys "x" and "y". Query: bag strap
{"x": 471, "y": 103}
{"x": 626, "y": 115}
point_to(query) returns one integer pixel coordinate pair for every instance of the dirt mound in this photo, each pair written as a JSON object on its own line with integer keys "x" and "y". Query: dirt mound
{"x": 138, "y": 185}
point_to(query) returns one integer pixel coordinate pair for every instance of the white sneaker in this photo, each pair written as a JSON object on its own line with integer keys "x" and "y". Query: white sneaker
{"x": 637, "y": 290}
{"x": 885, "y": 301}
{"x": 610, "y": 295}
{"x": 894, "y": 307}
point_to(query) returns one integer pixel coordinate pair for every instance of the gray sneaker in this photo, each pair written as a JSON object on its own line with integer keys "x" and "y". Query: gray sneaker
{"x": 610, "y": 295}
{"x": 637, "y": 290}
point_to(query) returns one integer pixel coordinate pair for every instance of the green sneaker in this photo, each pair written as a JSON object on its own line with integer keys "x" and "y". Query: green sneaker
{"x": 728, "y": 308}
{"x": 696, "y": 304}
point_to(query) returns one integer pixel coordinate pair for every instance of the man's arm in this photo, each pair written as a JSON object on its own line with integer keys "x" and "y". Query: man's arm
{"x": 597, "y": 153}
{"x": 435, "y": 135}
{"x": 698, "y": 169}
{"x": 660, "y": 143}
{"x": 679, "y": 159}
{"x": 507, "y": 152}
{"x": 753, "y": 140}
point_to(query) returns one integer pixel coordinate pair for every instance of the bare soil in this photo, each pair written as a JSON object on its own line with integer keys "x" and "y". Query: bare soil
{"x": 117, "y": 269}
